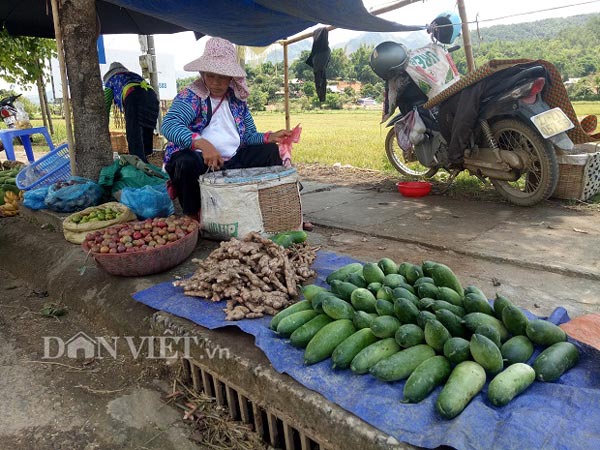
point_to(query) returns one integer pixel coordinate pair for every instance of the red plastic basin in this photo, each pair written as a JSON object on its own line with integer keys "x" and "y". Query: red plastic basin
{"x": 414, "y": 188}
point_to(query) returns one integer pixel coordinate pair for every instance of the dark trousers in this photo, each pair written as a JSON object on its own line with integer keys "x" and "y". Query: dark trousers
{"x": 186, "y": 166}
{"x": 141, "y": 114}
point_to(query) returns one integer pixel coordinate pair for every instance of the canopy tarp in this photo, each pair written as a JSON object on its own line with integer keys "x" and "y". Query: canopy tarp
{"x": 243, "y": 22}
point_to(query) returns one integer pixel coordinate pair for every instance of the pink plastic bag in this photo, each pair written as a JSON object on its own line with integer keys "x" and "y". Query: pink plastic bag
{"x": 285, "y": 146}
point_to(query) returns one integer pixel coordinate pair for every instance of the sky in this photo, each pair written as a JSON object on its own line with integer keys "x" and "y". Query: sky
{"x": 182, "y": 47}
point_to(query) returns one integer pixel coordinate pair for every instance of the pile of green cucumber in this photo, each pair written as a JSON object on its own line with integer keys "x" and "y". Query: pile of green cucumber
{"x": 417, "y": 323}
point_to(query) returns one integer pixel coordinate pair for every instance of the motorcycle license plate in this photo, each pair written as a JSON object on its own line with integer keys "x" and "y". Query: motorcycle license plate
{"x": 10, "y": 120}
{"x": 552, "y": 122}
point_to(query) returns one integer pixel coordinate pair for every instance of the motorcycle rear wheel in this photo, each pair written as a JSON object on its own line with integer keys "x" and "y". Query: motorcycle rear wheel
{"x": 395, "y": 155}
{"x": 536, "y": 182}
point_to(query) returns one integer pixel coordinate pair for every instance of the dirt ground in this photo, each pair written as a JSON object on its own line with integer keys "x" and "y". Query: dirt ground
{"x": 98, "y": 403}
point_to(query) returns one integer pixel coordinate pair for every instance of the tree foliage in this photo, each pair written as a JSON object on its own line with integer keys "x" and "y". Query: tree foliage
{"x": 22, "y": 57}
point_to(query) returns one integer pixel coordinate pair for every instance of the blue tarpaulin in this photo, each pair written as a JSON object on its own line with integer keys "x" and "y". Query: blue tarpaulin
{"x": 560, "y": 415}
{"x": 262, "y": 22}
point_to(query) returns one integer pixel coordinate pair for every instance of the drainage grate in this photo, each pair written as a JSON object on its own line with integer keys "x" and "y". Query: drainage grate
{"x": 269, "y": 424}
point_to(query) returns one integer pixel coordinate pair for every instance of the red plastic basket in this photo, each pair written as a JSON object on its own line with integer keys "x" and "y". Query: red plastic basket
{"x": 147, "y": 262}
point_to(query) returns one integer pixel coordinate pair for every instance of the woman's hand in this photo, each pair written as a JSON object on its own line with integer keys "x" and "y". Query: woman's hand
{"x": 212, "y": 157}
{"x": 278, "y": 136}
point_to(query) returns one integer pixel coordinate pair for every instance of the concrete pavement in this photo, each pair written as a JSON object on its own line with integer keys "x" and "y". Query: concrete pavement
{"x": 474, "y": 235}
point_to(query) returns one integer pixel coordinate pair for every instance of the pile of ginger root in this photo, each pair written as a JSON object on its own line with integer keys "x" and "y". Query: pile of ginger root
{"x": 256, "y": 275}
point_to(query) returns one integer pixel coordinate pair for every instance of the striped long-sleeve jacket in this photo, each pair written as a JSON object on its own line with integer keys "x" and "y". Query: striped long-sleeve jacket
{"x": 188, "y": 115}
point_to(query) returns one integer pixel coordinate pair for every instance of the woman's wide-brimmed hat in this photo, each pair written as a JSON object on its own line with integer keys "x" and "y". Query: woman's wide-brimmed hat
{"x": 114, "y": 68}
{"x": 219, "y": 57}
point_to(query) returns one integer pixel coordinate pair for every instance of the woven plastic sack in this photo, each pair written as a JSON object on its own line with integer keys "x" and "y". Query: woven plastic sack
{"x": 75, "y": 232}
{"x": 34, "y": 199}
{"x": 148, "y": 201}
{"x": 432, "y": 69}
{"x": 234, "y": 202}
{"x": 74, "y": 197}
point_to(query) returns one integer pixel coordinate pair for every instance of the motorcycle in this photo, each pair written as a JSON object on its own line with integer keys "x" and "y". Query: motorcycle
{"x": 8, "y": 111}
{"x": 511, "y": 140}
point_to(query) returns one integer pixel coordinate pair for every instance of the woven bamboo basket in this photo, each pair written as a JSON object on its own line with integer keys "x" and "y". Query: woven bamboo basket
{"x": 579, "y": 176}
{"x": 147, "y": 262}
{"x": 118, "y": 142}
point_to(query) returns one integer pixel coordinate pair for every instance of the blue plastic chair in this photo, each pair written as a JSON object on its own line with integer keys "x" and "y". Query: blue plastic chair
{"x": 9, "y": 134}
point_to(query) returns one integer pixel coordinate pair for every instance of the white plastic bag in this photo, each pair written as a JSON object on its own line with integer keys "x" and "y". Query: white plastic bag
{"x": 417, "y": 134}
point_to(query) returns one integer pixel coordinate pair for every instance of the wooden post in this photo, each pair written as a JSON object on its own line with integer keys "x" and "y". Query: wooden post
{"x": 65, "y": 85}
{"x": 462, "y": 11}
{"x": 286, "y": 88}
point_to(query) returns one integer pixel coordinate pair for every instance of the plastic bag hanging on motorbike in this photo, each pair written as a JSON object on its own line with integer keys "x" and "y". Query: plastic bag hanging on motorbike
{"x": 403, "y": 130}
{"x": 21, "y": 116}
{"x": 432, "y": 69}
{"x": 417, "y": 133}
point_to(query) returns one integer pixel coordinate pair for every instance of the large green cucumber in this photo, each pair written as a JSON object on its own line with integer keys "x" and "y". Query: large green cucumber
{"x": 428, "y": 290}
{"x": 357, "y": 279}
{"x": 345, "y": 352}
{"x": 449, "y": 295}
{"x": 317, "y": 301}
{"x": 311, "y": 290}
{"x": 303, "y": 334}
{"x": 343, "y": 289}
{"x": 555, "y": 360}
{"x": 474, "y": 302}
{"x": 385, "y": 326}
{"x": 413, "y": 273}
{"x": 509, "y": 383}
{"x": 515, "y": 320}
{"x": 405, "y": 310}
{"x": 436, "y": 335}
{"x": 343, "y": 272}
{"x": 363, "y": 300}
{"x": 475, "y": 319}
{"x": 424, "y": 317}
{"x": 517, "y": 349}
{"x": 385, "y": 293}
{"x": 409, "y": 335}
{"x": 363, "y": 319}
{"x": 443, "y": 304}
{"x": 336, "y": 308}
{"x": 400, "y": 365}
{"x": 444, "y": 276}
{"x": 422, "y": 280}
{"x": 425, "y": 378}
{"x": 290, "y": 323}
{"x": 486, "y": 353}
{"x": 474, "y": 290}
{"x": 489, "y": 332}
{"x": 545, "y": 333}
{"x": 384, "y": 307}
{"x": 464, "y": 383}
{"x": 402, "y": 292}
{"x": 296, "y": 307}
{"x": 452, "y": 322}
{"x": 394, "y": 280}
{"x": 372, "y": 273}
{"x": 500, "y": 303}
{"x": 388, "y": 266}
{"x": 323, "y": 343}
{"x": 457, "y": 350}
{"x": 372, "y": 354}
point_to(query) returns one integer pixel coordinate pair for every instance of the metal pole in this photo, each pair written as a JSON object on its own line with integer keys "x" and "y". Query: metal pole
{"x": 65, "y": 85}
{"x": 286, "y": 87}
{"x": 462, "y": 11}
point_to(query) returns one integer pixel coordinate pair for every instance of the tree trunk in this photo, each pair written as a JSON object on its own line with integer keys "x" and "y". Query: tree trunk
{"x": 90, "y": 122}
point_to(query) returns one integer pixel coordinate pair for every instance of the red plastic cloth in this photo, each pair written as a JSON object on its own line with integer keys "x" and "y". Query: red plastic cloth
{"x": 285, "y": 146}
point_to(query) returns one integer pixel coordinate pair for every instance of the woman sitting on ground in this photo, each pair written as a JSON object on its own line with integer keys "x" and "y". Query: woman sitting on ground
{"x": 210, "y": 127}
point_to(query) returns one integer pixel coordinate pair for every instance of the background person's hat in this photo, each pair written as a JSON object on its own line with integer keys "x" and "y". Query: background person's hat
{"x": 219, "y": 57}
{"x": 114, "y": 68}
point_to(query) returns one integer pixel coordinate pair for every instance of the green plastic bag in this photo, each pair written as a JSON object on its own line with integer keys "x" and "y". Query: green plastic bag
{"x": 129, "y": 171}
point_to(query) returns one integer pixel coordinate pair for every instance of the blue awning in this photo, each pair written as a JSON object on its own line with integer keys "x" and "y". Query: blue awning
{"x": 261, "y": 22}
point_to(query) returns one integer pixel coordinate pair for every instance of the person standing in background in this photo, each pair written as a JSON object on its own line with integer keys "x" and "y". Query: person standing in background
{"x": 136, "y": 98}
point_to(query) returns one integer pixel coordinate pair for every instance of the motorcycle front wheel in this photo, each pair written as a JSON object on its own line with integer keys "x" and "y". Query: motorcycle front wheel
{"x": 537, "y": 181}
{"x": 407, "y": 166}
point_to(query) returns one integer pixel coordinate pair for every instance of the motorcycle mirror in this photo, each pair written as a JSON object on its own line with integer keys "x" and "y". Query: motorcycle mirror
{"x": 453, "y": 48}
